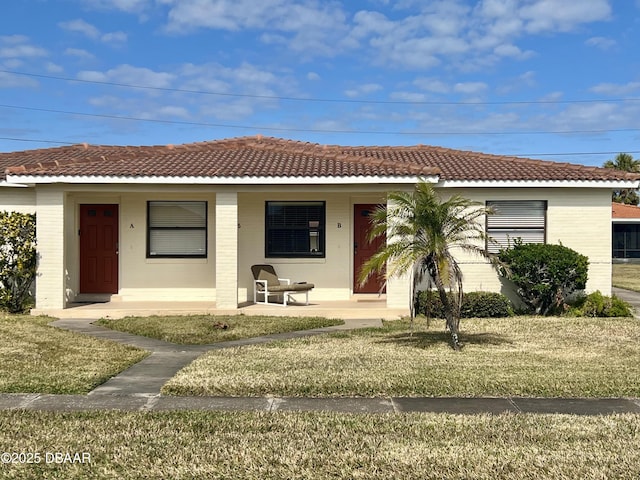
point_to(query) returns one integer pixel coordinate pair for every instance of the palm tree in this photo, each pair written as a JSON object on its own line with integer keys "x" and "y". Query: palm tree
{"x": 625, "y": 163}
{"x": 421, "y": 233}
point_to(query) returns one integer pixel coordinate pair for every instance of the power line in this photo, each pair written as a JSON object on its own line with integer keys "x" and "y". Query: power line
{"x": 547, "y": 154}
{"x": 322, "y": 100}
{"x": 315, "y": 130}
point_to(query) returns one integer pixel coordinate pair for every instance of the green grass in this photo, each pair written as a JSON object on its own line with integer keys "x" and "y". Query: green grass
{"x": 202, "y": 329}
{"x": 43, "y": 359}
{"x": 258, "y": 445}
{"x": 520, "y": 356}
{"x": 626, "y": 275}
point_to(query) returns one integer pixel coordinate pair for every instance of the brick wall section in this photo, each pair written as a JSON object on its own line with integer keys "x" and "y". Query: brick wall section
{"x": 226, "y": 250}
{"x": 50, "y": 281}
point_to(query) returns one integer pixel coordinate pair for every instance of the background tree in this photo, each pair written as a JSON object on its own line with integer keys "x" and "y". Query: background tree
{"x": 625, "y": 163}
{"x": 421, "y": 233}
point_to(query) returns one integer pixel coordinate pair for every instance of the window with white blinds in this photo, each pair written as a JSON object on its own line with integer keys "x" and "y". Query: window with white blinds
{"x": 176, "y": 229}
{"x": 516, "y": 219}
{"x": 295, "y": 229}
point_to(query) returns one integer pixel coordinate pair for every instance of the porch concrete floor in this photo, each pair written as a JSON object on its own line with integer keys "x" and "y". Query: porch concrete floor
{"x": 348, "y": 309}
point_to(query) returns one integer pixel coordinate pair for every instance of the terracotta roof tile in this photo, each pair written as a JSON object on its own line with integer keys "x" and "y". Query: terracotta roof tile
{"x": 620, "y": 210}
{"x": 274, "y": 157}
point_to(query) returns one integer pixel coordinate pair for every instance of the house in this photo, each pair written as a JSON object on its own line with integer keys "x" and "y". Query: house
{"x": 186, "y": 222}
{"x": 625, "y": 226}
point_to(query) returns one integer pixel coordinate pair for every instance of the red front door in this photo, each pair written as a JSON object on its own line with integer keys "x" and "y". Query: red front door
{"x": 363, "y": 249}
{"x": 98, "y": 248}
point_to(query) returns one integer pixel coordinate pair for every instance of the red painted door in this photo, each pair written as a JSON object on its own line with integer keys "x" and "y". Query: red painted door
{"x": 98, "y": 248}
{"x": 363, "y": 249}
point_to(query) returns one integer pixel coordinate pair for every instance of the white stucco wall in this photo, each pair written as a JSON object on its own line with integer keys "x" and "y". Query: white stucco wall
{"x": 142, "y": 278}
{"x": 332, "y": 275}
{"x": 578, "y": 218}
{"x": 573, "y": 216}
{"x": 18, "y": 199}
{"x": 52, "y": 272}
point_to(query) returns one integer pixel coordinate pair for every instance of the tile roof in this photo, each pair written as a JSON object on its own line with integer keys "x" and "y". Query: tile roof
{"x": 260, "y": 156}
{"x": 620, "y": 210}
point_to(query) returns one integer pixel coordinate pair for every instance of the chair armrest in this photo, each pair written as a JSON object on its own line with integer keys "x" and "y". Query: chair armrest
{"x": 287, "y": 280}
{"x": 262, "y": 283}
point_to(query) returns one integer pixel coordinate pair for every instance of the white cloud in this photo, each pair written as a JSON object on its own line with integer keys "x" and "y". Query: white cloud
{"x": 364, "y": 89}
{"x": 554, "y": 15}
{"x": 309, "y": 27}
{"x": 130, "y": 75}
{"x": 616, "y": 89}
{"x": 114, "y": 38}
{"x": 80, "y": 26}
{"x": 54, "y": 68}
{"x": 508, "y": 50}
{"x": 79, "y": 53}
{"x": 8, "y": 80}
{"x": 173, "y": 111}
{"x": 408, "y": 96}
{"x": 313, "y": 76}
{"x": 432, "y": 85}
{"x": 13, "y": 39}
{"x": 523, "y": 81}
{"x": 450, "y": 31}
{"x": 16, "y": 46}
{"x": 130, "y": 6}
{"x": 470, "y": 88}
{"x": 602, "y": 43}
{"x": 90, "y": 31}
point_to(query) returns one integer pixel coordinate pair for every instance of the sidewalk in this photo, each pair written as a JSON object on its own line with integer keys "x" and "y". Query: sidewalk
{"x": 138, "y": 388}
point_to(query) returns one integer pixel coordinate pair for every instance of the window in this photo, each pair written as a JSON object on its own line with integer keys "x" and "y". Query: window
{"x": 295, "y": 229}
{"x": 513, "y": 219}
{"x": 176, "y": 229}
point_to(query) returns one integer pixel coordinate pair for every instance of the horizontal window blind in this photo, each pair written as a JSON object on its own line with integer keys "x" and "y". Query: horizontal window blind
{"x": 294, "y": 229}
{"x": 515, "y": 219}
{"x": 178, "y": 214}
{"x": 177, "y": 243}
{"x": 177, "y": 229}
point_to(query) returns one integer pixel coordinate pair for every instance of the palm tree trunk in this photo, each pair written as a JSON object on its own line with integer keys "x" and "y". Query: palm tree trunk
{"x": 451, "y": 313}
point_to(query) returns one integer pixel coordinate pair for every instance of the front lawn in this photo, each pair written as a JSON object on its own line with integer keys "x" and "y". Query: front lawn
{"x": 263, "y": 446}
{"x": 206, "y": 329}
{"x": 519, "y": 356}
{"x": 37, "y": 358}
{"x": 626, "y": 275}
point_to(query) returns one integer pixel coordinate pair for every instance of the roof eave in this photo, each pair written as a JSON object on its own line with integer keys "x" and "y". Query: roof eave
{"x": 248, "y": 180}
{"x": 607, "y": 184}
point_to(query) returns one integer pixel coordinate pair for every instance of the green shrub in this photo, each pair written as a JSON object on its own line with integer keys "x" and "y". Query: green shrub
{"x": 544, "y": 275}
{"x": 474, "y": 304}
{"x": 597, "y": 305}
{"x": 17, "y": 260}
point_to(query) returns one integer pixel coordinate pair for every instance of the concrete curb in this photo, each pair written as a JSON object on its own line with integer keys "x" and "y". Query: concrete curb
{"x": 395, "y": 405}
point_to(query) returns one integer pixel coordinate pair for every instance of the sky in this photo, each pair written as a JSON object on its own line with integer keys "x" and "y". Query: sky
{"x": 550, "y": 79}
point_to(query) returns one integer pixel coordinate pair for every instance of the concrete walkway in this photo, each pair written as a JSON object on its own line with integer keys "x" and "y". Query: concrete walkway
{"x": 138, "y": 388}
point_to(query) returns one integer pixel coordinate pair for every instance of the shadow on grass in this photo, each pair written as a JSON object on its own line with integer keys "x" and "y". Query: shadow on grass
{"x": 425, "y": 340}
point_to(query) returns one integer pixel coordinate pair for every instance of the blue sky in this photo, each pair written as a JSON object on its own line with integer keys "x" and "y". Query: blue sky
{"x": 551, "y": 79}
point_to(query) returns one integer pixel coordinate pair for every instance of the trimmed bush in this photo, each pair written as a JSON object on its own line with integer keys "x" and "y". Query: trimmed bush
{"x": 597, "y": 305}
{"x": 474, "y": 305}
{"x": 545, "y": 275}
{"x": 17, "y": 260}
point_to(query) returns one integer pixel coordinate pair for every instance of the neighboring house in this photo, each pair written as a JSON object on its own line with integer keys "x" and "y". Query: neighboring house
{"x": 625, "y": 221}
{"x": 186, "y": 222}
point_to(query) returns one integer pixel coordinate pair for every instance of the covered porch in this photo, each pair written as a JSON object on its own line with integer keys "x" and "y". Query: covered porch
{"x": 211, "y": 271}
{"x": 358, "y": 307}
